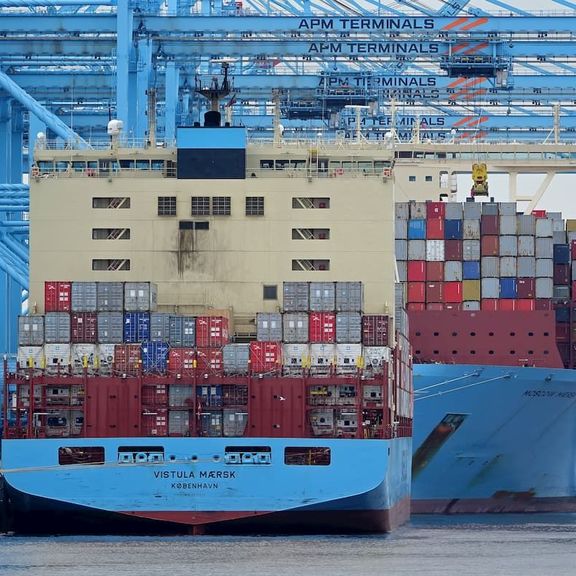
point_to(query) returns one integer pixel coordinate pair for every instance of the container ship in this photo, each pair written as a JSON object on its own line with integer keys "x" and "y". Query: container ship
{"x": 490, "y": 294}
{"x": 216, "y": 341}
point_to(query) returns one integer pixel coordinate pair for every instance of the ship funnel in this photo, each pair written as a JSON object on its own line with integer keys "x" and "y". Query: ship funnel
{"x": 212, "y": 119}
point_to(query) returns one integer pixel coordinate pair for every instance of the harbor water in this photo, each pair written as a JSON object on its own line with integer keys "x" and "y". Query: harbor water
{"x": 432, "y": 546}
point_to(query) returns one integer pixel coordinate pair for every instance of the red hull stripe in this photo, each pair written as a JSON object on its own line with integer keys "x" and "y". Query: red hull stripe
{"x": 194, "y": 518}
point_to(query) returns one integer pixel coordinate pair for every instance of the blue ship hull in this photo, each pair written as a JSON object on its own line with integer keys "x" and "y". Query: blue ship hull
{"x": 197, "y": 489}
{"x": 493, "y": 439}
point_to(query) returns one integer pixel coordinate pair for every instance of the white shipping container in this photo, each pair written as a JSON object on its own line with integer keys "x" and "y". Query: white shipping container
{"x": 526, "y": 246}
{"x": 295, "y": 356}
{"x": 375, "y": 358}
{"x": 490, "y": 288}
{"x": 31, "y": 356}
{"x": 402, "y": 270}
{"x": 402, "y": 210}
{"x": 508, "y": 268}
{"x": 417, "y": 249}
{"x": 401, "y": 229}
{"x": 57, "y": 356}
{"x": 348, "y": 357}
{"x": 105, "y": 358}
{"x": 471, "y": 229}
{"x": 83, "y": 353}
{"x": 401, "y": 249}
{"x": 322, "y": 356}
{"x": 544, "y": 288}
{"x": 544, "y": 228}
{"x": 434, "y": 251}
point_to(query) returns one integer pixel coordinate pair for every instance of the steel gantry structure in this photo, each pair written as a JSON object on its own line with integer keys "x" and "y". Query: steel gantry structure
{"x": 454, "y": 69}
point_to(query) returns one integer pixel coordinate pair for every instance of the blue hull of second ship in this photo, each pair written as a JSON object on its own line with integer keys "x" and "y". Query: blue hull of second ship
{"x": 493, "y": 439}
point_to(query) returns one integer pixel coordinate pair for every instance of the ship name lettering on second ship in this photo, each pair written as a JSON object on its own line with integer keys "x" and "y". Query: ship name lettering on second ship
{"x": 185, "y": 474}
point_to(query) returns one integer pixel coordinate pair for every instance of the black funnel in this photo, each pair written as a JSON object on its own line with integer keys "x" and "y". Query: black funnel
{"x": 212, "y": 119}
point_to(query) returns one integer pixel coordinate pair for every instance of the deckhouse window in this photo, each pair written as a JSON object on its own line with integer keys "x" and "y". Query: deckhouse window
{"x": 68, "y": 455}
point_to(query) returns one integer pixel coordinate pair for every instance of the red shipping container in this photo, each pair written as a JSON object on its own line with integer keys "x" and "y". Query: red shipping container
{"x": 489, "y": 246}
{"x": 265, "y": 356}
{"x": 322, "y": 327}
{"x": 453, "y": 292}
{"x": 574, "y": 291}
{"x": 543, "y": 304}
{"x": 489, "y": 224}
{"x": 453, "y": 250}
{"x": 573, "y": 249}
{"x": 57, "y": 296}
{"x": 211, "y": 331}
{"x": 155, "y": 423}
{"x": 561, "y": 274}
{"x": 563, "y": 332}
{"x": 434, "y": 291}
{"x": 127, "y": 359}
{"x": 375, "y": 330}
{"x": 181, "y": 361}
{"x": 416, "y": 271}
{"x": 209, "y": 360}
{"x": 155, "y": 395}
{"x": 435, "y": 210}
{"x": 84, "y": 327}
{"x": 416, "y": 292}
{"x": 507, "y": 305}
{"x": 525, "y": 304}
{"x": 434, "y": 271}
{"x": 435, "y": 306}
{"x": 435, "y": 229}
{"x": 453, "y": 306}
{"x": 490, "y": 304}
{"x": 416, "y": 307}
{"x": 539, "y": 213}
{"x": 526, "y": 287}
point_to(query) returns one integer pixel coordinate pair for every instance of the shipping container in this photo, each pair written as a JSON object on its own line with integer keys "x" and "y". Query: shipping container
{"x": 435, "y": 306}
{"x": 507, "y": 209}
{"x": 539, "y": 213}
{"x": 401, "y": 229}
{"x": 435, "y": 229}
{"x": 525, "y": 304}
{"x": 526, "y": 246}
{"x": 570, "y": 225}
{"x": 526, "y": 224}
{"x": 31, "y": 330}
{"x": 140, "y": 296}
{"x": 544, "y": 228}
{"x": 417, "y": 249}
{"x": 453, "y": 250}
{"x": 526, "y": 288}
{"x": 490, "y": 288}
{"x": 453, "y": 292}
{"x": 434, "y": 271}
{"x": 508, "y": 225}
{"x": 136, "y": 327}
{"x": 57, "y": 296}
{"x": 155, "y": 357}
{"x": 543, "y": 304}
{"x": 110, "y": 327}
{"x": 562, "y": 332}
{"x": 83, "y": 357}
{"x": 159, "y": 327}
{"x": 322, "y": 327}
{"x": 209, "y": 360}
{"x": 544, "y": 268}
{"x": 416, "y": 229}
{"x": 269, "y": 327}
{"x": 507, "y": 305}
{"x": 84, "y": 297}
{"x": 544, "y": 248}
{"x": 296, "y": 295}
{"x": 490, "y": 209}
{"x": 236, "y": 358}
{"x": 105, "y": 358}
{"x": 56, "y": 327}
{"x": 508, "y": 267}
{"x": 472, "y": 210}
{"x": 211, "y": 331}
{"x": 435, "y": 210}
{"x": 471, "y": 229}
{"x": 348, "y": 358}
{"x": 180, "y": 396}
{"x": 182, "y": 331}
{"x": 295, "y": 358}
{"x": 322, "y": 357}
{"x": 471, "y": 290}
{"x": 560, "y": 237}
{"x": 573, "y": 290}
{"x": 418, "y": 210}
{"x": 562, "y": 275}
{"x": 127, "y": 359}
{"x": 266, "y": 356}
{"x": 416, "y": 292}
{"x": 453, "y": 211}
{"x": 295, "y": 327}
{"x": 402, "y": 210}
{"x": 84, "y": 327}
{"x": 348, "y": 327}
{"x": 490, "y": 267}
{"x": 416, "y": 306}
{"x": 526, "y": 266}
{"x": 376, "y": 330}
{"x": 349, "y": 297}
{"x": 181, "y": 361}
{"x": 561, "y": 292}
{"x": 416, "y": 271}
{"x": 322, "y": 296}
{"x": 508, "y": 245}
{"x": 471, "y": 305}
{"x": 561, "y": 254}
{"x": 489, "y": 304}
{"x": 452, "y": 271}
{"x": 434, "y": 292}
{"x": 562, "y": 314}
{"x": 31, "y": 357}
{"x": 453, "y": 229}
{"x": 57, "y": 356}
{"x": 375, "y": 360}
{"x": 453, "y": 306}
{"x": 573, "y": 250}
{"x": 471, "y": 250}
{"x": 508, "y": 288}
{"x": 573, "y": 273}
{"x": 490, "y": 246}
{"x": 401, "y": 266}
{"x": 155, "y": 423}
{"x": 179, "y": 423}
{"x": 401, "y": 251}
{"x": 110, "y": 296}
{"x": 544, "y": 288}
{"x": 471, "y": 270}
{"x": 434, "y": 251}
{"x": 489, "y": 225}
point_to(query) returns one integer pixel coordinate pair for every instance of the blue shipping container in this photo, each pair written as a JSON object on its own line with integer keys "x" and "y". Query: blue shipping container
{"x": 561, "y": 254}
{"x": 453, "y": 229}
{"x": 209, "y": 396}
{"x": 136, "y": 327}
{"x": 417, "y": 229}
{"x": 471, "y": 270}
{"x": 155, "y": 357}
{"x": 508, "y": 288}
{"x": 563, "y": 314}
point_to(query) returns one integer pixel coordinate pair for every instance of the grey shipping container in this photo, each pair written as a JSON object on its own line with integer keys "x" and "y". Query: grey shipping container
{"x": 544, "y": 228}
{"x": 402, "y": 210}
{"x": 399, "y": 295}
{"x": 508, "y": 268}
{"x": 417, "y": 210}
{"x": 269, "y": 327}
{"x": 471, "y": 250}
{"x": 402, "y": 249}
{"x": 526, "y": 267}
{"x": 471, "y": 229}
{"x": 452, "y": 271}
{"x": 490, "y": 268}
{"x": 402, "y": 267}
{"x": 159, "y": 327}
{"x": 571, "y": 236}
{"x": 180, "y": 396}
{"x": 508, "y": 225}
{"x": 179, "y": 423}
{"x": 490, "y": 209}
{"x": 507, "y": 209}
{"x": 544, "y": 288}
{"x": 84, "y": 297}
{"x": 235, "y": 358}
{"x": 349, "y": 296}
{"x": 56, "y": 327}
{"x": 573, "y": 272}
{"x": 31, "y": 330}
{"x": 348, "y": 327}
{"x": 544, "y": 248}
{"x": 183, "y": 331}
{"x": 526, "y": 246}
{"x": 561, "y": 292}
{"x": 416, "y": 249}
{"x": 401, "y": 229}
{"x": 490, "y": 288}
{"x": 110, "y": 327}
{"x": 110, "y": 296}
{"x": 453, "y": 211}
{"x": 472, "y": 210}
{"x": 526, "y": 224}
{"x": 295, "y": 327}
{"x": 471, "y": 305}
{"x": 140, "y": 296}
{"x": 560, "y": 237}
{"x": 296, "y": 296}
{"x": 234, "y": 424}
{"x": 544, "y": 268}
{"x": 322, "y": 296}
{"x": 508, "y": 245}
